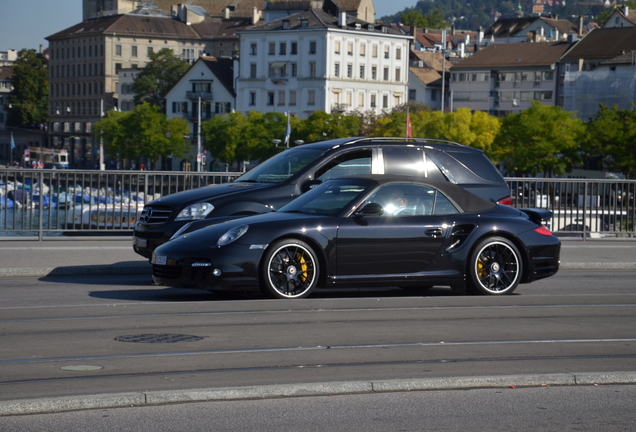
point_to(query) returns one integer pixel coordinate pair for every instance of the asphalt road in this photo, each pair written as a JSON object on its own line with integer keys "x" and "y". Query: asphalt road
{"x": 65, "y": 338}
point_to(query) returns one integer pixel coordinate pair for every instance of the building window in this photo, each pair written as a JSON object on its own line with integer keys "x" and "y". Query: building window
{"x": 398, "y": 74}
{"x": 252, "y": 70}
{"x": 133, "y": 51}
{"x": 294, "y": 70}
{"x": 272, "y": 48}
{"x": 270, "y": 98}
{"x": 252, "y": 101}
{"x": 350, "y": 48}
{"x": 374, "y": 51}
{"x": 294, "y": 48}
{"x": 385, "y": 101}
{"x": 253, "y": 50}
{"x": 398, "y": 53}
{"x": 311, "y": 97}
{"x": 360, "y": 100}
{"x": 373, "y": 100}
{"x": 386, "y": 74}
{"x": 336, "y": 70}
{"x": 412, "y": 94}
{"x": 349, "y": 70}
{"x": 292, "y": 97}
{"x": 222, "y": 107}
{"x": 312, "y": 47}
{"x": 312, "y": 69}
{"x": 281, "y": 97}
{"x": 118, "y": 50}
{"x": 150, "y": 51}
{"x": 363, "y": 50}
{"x": 282, "y": 48}
{"x": 337, "y": 47}
{"x": 374, "y": 72}
{"x": 386, "y": 52}
{"x": 361, "y": 71}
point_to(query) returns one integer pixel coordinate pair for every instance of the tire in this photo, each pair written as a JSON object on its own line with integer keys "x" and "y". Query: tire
{"x": 494, "y": 267}
{"x": 290, "y": 269}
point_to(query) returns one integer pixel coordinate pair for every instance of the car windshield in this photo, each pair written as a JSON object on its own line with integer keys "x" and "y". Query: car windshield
{"x": 284, "y": 165}
{"x": 331, "y": 198}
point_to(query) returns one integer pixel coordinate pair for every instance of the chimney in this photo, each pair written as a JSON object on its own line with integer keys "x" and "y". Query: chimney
{"x": 480, "y": 36}
{"x": 626, "y": 10}
{"x": 557, "y": 36}
{"x": 580, "y": 33}
{"x": 413, "y": 30}
{"x": 342, "y": 19}
{"x": 226, "y": 13}
{"x": 255, "y": 15}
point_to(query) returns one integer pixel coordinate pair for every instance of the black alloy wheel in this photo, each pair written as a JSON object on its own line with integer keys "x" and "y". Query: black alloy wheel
{"x": 290, "y": 269}
{"x": 494, "y": 267}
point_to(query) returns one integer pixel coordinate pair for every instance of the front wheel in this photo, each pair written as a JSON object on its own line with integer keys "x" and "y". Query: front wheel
{"x": 494, "y": 267}
{"x": 290, "y": 269}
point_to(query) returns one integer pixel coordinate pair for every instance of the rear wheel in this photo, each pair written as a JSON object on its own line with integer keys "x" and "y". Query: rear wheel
{"x": 494, "y": 267}
{"x": 290, "y": 269}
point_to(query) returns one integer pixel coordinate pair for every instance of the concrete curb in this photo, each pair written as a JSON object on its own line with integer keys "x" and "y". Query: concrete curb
{"x": 146, "y": 269}
{"x": 120, "y": 400}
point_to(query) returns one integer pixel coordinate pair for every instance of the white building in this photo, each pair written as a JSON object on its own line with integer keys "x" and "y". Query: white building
{"x": 314, "y": 61}
{"x": 207, "y": 84}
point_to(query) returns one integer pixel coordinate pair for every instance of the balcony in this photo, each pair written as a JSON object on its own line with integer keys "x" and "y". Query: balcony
{"x": 194, "y": 116}
{"x": 339, "y": 107}
{"x": 199, "y": 94}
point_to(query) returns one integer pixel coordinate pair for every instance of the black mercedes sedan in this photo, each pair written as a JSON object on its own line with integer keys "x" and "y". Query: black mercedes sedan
{"x": 365, "y": 231}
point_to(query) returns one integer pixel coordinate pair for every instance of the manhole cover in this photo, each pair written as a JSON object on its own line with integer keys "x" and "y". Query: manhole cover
{"x": 158, "y": 338}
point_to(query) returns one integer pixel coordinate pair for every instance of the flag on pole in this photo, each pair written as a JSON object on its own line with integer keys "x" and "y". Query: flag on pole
{"x": 409, "y": 131}
{"x": 12, "y": 141}
{"x": 287, "y": 131}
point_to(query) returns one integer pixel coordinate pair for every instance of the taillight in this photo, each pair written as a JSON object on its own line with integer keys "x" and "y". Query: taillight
{"x": 505, "y": 201}
{"x": 543, "y": 230}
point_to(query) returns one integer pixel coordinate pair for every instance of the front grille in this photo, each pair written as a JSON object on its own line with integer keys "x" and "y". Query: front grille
{"x": 155, "y": 215}
{"x": 166, "y": 272}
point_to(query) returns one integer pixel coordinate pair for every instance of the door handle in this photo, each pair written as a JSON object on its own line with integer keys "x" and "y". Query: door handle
{"x": 434, "y": 232}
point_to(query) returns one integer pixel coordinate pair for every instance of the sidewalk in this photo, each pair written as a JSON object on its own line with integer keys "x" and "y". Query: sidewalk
{"x": 76, "y": 256}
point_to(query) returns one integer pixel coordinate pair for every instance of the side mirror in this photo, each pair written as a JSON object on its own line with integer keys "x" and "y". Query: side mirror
{"x": 371, "y": 209}
{"x": 310, "y": 184}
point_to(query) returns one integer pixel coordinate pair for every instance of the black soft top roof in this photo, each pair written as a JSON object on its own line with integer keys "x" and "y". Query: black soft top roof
{"x": 466, "y": 201}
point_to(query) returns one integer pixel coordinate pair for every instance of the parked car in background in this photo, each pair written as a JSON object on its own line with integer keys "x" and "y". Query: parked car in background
{"x": 289, "y": 174}
{"x": 367, "y": 231}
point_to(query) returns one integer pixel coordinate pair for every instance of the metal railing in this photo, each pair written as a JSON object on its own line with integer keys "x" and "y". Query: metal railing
{"x": 41, "y": 202}
{"x": 38, "y": 203}
{"x": 584, "y": 208}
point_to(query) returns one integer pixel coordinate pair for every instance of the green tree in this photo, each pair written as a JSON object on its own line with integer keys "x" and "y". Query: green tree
{"x": 234, "y": 138}
{"x": 27, "y": 104}
{"x": 322, "y": 126}
{"x": 141, "y": 133}
{"x": 542, "y": 139}
{"x": 612, "y": 133}
{"x": 434, "y": 19}
{"x": 158, "y": 77}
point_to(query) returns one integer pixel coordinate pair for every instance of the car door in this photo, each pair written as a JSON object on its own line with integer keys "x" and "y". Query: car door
{"x": 400, "y": 241}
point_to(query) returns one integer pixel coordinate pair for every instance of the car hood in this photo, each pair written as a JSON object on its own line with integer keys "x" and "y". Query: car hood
{"x": 185, "y": 198}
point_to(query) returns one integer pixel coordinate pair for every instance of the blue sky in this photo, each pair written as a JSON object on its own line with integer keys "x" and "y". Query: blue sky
{"x": 25, "y": 23}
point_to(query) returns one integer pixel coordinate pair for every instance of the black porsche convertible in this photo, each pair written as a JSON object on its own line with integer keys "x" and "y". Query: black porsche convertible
{"x": 365, "y": 231}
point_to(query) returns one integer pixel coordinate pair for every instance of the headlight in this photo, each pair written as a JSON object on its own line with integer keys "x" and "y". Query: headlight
{"x": 195, "y": 211}
{"x": 232, "y": 235}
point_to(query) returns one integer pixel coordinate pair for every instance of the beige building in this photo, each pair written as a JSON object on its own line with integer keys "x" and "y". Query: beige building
{"x": 86, "y": 59}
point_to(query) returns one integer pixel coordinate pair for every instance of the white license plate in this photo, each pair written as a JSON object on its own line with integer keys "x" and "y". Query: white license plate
{"x": 161, "y": 260}
{"x": 140, "y": 242}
